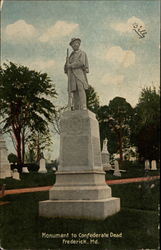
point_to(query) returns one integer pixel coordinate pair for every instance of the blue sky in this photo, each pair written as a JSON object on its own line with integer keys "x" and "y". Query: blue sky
{"x": 37, "y": 34}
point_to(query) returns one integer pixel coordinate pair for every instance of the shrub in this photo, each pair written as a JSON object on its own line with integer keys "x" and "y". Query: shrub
{"x": 32, "y": 167}
{"x": 12, "y": 158}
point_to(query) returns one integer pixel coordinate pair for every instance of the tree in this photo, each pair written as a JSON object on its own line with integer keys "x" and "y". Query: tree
{"x": 25, "y": 106}
{"x": 37, "y": 143}
{"x": 56, "y": 119}
{"x": 92, "y": 99}
{"x": 114, "y": 121}
{"x": 119, "y": 120}
{"x": 30, "y": 156}
{"x": 146, "y": 124}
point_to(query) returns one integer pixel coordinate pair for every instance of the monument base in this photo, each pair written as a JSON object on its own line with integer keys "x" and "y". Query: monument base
{"x": 5, "y": 174}
{"x": 79, "y": 209}
{"x": 80, "y": 190}
{"x": 81, "y": 195}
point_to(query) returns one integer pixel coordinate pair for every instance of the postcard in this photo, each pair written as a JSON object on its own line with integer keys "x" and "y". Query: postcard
{"x": 79, "y": 124}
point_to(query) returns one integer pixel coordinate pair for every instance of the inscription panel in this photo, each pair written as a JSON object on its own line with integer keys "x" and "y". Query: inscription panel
{"x": 75, "y": 125}
{"x": 71, "y": 126}
{"x": 75, "y": 150}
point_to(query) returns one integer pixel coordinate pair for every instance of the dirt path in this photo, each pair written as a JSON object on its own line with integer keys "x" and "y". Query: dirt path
{"x": 131, "y": 180}
{"x": 27, "y": 190}
{"x": 110, "y": 182}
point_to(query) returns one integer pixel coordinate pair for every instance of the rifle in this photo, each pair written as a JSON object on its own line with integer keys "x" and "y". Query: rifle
{"x": 70, "y": 96}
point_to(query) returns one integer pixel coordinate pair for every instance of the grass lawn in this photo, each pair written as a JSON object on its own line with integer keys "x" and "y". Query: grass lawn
{"x": 132, "y": 172}
{"x": 136, "y": 223}
{"x": 34, "y": 179}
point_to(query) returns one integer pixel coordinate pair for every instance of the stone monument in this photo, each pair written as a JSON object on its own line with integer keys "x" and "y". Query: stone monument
{"x": 25, "y": 170}
{"x": 147, "y": 165}
{"x": 5, "y": 170}
{"x": 153, "y": 165}
{"x": 42, "y": 165}
{"x": 105, "y": 156}
{"x": 15, "y": 174}
{"x": 117, "y": 170}
{"x": 80, "y": 190}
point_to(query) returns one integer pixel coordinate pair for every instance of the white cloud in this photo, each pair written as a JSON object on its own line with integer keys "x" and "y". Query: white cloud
{"x": 42, "y": 65}
{"x": 58, "y": 30}
{"x": 20, "y": 31}
{"x": 117, "y": 55}
{"x": 39, "y": 64}
{"x": 112, "y": 79}
{"x": 128, "y": 26}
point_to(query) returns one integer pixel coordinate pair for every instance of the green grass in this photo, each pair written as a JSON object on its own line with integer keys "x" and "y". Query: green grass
{"x": 132, "y": 172}
{"x": 32, "y": 179}
{"x": 141, "y": 195}
{"x": 21, "y": 227}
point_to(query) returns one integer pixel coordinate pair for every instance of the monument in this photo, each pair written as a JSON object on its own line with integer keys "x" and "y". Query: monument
{"x": 105, "y": 156}
{"x": 153, "y": 165}
{"x": 15, "y": 174}
{"x": 117, "y": 170}
{"x": 147, "y": 165}
{"x": 25, "y": 170}
{"x": 4, "y": 163}
{"x": 42, "y": 165}
{"x": 80, "y": 190}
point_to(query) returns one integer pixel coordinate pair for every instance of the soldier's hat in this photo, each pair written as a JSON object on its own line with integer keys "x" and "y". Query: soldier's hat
{"x": 74, "y": 39}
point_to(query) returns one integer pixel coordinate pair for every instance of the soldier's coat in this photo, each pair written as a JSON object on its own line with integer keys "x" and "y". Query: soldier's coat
{"x": 79, "y": 67}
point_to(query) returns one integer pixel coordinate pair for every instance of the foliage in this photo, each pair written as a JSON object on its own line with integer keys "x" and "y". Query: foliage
{"x": 146, "y": 124}
{"x": 148, "y": 107}
{"x": 56, "y": 119}
{"x": 92, "y": 99}
{"x": 114, "y": 121}
{"x": 37, "y": 143}
{"x": 12, "y": 158}
{"x": 24, "y": 103}
{"x": 32, "y": 167}
{"x": 120, "y": 114}
{"x": 30, "y": 156}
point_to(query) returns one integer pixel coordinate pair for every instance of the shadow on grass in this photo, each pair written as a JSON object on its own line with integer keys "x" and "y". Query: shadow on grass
{"x": 22, "y": 228}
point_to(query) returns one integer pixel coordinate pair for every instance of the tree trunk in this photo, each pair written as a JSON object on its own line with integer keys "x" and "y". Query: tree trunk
{"x": 23, "y": 146}
{"x": 18, "y": 149}
{"x": 120, "y": 146}
{"x": 38, "y": 148}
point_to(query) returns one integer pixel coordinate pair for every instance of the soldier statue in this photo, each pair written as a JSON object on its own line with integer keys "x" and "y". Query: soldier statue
{"x": 76, "y": 67}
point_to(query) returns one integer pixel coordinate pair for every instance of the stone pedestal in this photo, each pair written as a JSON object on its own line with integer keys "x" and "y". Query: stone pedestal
{"x": 80, "y": 190}
{"x": 42, "y": 165}
{"x": 5, "y": 170}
